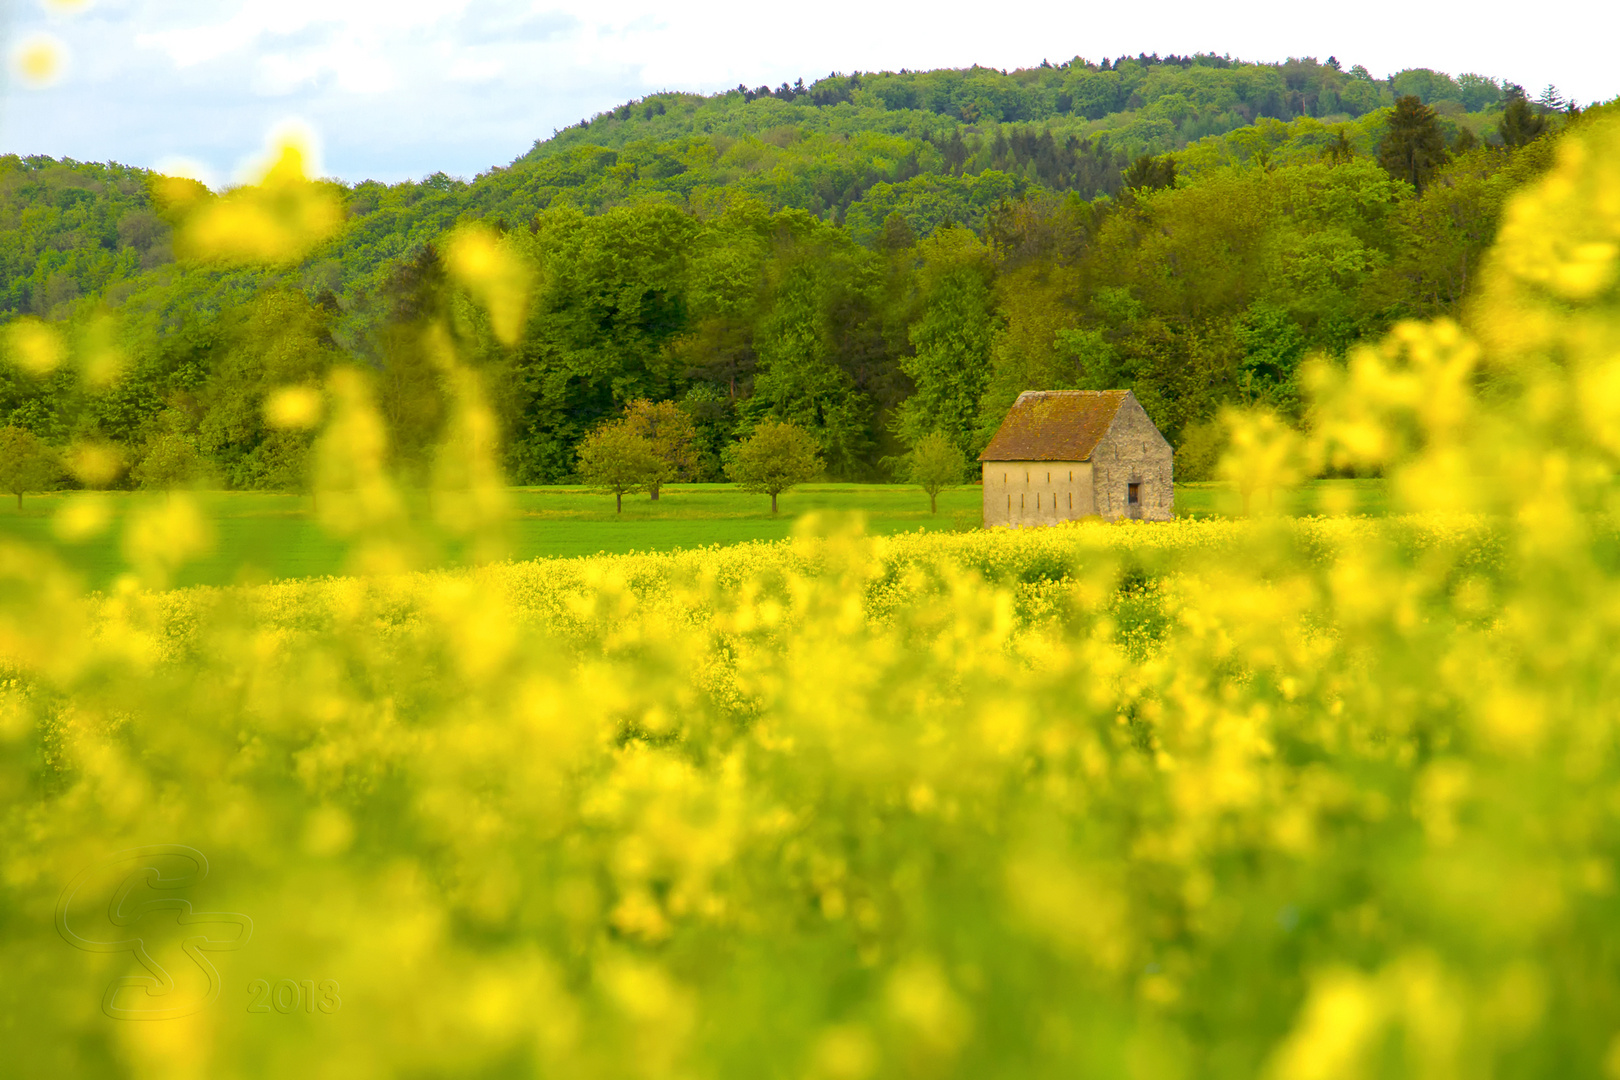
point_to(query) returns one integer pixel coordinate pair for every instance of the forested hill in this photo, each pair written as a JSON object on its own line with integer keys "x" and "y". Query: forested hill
{"x": 872, "y": 255}
{"x": 920, "y": 142}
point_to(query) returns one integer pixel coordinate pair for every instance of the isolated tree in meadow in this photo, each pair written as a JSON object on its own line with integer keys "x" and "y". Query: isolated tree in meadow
{"x": 615, "y": 459}
{"x": 934, "y": 464}
{"x": 1414, "y": 146}
{"x": 668, "y": 428}
{"x": 171, "y": 460}
{"x": 26, "y": 463}
{"x": 773, "y": 459}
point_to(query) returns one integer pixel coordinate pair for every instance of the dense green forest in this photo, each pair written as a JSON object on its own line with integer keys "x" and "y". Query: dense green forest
{"x": 873, "y": 256}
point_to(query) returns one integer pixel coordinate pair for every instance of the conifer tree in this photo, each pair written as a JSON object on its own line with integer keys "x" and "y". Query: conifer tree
{"x": 1519, "y": 124}
{"x": 1414, "y": 146}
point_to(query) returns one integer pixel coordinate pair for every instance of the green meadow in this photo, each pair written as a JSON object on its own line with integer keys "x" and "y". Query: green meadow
{"x": 263, "y": 536}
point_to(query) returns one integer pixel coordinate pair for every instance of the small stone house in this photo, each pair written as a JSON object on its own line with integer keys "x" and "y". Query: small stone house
{"x": 1067, "y": 454}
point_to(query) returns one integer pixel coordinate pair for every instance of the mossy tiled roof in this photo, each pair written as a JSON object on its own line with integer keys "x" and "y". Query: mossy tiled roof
{"x": 1055, "y": 425}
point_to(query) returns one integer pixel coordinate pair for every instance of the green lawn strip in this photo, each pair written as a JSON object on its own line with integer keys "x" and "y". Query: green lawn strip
{"x": 265, "y": 536}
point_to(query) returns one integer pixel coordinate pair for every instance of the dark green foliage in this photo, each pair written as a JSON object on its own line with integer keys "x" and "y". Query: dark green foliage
{"x": 1149, "y": 173}
{"x": 1414, "y": 146}
{"x": 953, "y": 340}
{"x": 1520, "y": 123}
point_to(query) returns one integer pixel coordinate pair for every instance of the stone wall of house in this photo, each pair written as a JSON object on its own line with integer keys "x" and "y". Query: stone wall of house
{"x": 1133, "y": 452}
{"x": 1036, "y": 492}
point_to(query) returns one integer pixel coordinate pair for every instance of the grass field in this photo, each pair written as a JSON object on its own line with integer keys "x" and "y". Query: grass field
{"x": 264, "y": 536}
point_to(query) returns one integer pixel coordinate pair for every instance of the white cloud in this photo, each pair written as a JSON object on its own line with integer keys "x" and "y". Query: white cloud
{"x": 475, "y": 69}
{"x": 407, "y": 87}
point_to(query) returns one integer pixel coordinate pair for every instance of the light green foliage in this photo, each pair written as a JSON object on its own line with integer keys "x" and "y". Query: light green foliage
{"x": 1427, "y": 86}
{"x": 617, "y": 458}
{"x": 69, "y": 230}
{"x": 935, "y": 463}
{"x": 1479, "y": 92}
{"x": 1198, "y": 453}
{"x": 26, "y": 463}
{"x": 670, "y": 432}
{"x": 169, "y": 460}
{"x": 281, "y": 340}
{"x": 775, "y": 457}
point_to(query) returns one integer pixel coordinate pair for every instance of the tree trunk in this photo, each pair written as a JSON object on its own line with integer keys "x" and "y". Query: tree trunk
{"x": 652, "y": 489}
{"x": 773, "y": 503}
{"x": 933, "y": 502}
{"x": 619, "y": 498}
{"x": 19, "y": 502}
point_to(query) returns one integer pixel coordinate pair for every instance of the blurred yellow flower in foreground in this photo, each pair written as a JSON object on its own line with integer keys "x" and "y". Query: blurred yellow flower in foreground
{"x": 496, "y": 277}
{"x": 95, "y": 464}
{"x": 82, "y": 518}
{"x": 35, "y": 346}
{"x": 101, "y": 360}
{"x": 278, "y": 218}
{"x": 295, "y": 407}
{"x": 39, "y": 60}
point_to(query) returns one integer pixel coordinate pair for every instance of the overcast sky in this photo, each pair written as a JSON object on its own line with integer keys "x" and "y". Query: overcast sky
{"x": 404, "y": 88}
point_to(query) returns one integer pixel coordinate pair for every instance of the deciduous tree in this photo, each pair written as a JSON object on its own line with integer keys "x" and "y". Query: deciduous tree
{"x": 669, "y": 430}
{"x": 26, "y": 463}
{"x": 615, "y": 459}
{"x": 171, "y": 460}
{"x": 774, "y": 458}
{"x": 953, "y": 339}
{"x": 934, "y": 464}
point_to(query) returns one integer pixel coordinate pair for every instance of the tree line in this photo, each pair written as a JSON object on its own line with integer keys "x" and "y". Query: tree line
{"x": 1197, "y": 278}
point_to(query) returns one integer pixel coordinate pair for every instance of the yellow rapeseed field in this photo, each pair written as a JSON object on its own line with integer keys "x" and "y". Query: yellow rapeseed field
{"x": 1310, "y": 799}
